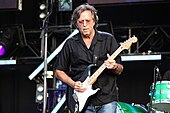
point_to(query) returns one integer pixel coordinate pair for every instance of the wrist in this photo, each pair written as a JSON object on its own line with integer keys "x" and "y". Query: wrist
{"x": 116, "y": 67}
{"x": 73, "y": 84}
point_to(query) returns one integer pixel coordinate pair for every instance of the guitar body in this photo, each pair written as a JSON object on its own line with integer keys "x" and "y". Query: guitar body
{"x": 77, "y": 100}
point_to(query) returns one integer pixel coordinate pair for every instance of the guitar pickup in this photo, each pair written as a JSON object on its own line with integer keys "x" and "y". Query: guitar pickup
{"x": 75, "y": 97}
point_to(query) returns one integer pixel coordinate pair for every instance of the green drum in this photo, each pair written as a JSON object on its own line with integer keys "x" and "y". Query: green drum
{"x": 128, "y": 108}
{"x": 161, "y": 97}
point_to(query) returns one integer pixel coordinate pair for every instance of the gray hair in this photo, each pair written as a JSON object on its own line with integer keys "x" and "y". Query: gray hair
{"x": 80, "y": 9}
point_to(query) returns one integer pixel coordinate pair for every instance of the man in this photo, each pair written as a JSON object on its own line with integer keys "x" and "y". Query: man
{"x": 90, "y": 46}
{"x": 166, "y": 75}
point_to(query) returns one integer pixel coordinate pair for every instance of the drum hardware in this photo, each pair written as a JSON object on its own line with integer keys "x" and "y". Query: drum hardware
{"x": 153, "y": 88}
{"x": 160, "y": 94}
{"x": 128, "y": 108}
{"x": 161, "y": 100}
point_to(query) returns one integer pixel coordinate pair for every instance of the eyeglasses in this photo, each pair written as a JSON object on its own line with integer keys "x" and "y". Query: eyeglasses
{"x": 82, "y": 22}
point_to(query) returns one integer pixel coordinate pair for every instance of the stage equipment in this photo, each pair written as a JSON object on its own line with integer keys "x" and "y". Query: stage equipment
{"x": 44, "y": 35}
{"x": 128, "y": 108}
{"x": 65, "y": 5}
{"x": 2, "y": 49}
{"x": 6, "y": 40}
{"x": 159, "y": 94}
{"x": 7, "y": 62}
{"x": 56, "y": 51}
{"x": 39, "y": 93}
{"x": 94, "y": 2}
{"x": 58, "y": 106}
{"x": 43, "y": 9}
{"x": 13, "y": 42}
{"x": 44, "y": 64}
{"x": 11, "y": 4}
{"x": 161, "y": 97}
{"x": 141, "y": 57}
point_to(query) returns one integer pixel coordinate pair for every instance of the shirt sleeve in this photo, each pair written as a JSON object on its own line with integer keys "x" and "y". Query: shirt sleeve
{"x": 62, "y": 60}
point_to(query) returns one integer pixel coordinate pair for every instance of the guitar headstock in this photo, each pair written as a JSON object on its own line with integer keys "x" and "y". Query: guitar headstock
{"x": 134, "y": 39}
{"x": 128, "y": 43}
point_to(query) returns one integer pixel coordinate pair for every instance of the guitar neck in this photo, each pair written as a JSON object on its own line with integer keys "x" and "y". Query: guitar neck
{"x": 96, "y": 74}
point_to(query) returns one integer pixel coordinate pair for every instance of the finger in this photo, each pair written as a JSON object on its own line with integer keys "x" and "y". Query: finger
{"x": 108, "y": 55}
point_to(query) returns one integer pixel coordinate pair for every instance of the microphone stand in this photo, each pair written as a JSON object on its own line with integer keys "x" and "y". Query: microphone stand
{"x": 44, "y": 39}
{"x": 153, "y": 88}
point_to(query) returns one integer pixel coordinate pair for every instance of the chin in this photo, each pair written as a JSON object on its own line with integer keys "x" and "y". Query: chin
{"x": 86, "y": 35}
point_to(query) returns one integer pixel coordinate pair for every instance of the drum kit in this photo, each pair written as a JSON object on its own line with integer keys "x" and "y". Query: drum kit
{"x": 128, "y": 108}
{"x": 159, "y": 103}
{"x": 160, "y": 96}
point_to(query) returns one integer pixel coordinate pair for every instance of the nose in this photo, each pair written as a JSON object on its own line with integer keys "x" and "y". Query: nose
{"x": 84, "y": 23}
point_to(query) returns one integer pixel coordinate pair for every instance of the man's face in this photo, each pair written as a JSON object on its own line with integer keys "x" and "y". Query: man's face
{"x": 86, "y": 23}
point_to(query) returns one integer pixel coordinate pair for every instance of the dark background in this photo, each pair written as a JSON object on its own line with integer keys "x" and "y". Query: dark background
{"x": 17, "y": 92}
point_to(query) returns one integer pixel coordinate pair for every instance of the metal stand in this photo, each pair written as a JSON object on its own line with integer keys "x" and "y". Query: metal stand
{"x": 44, "y": 37}
{"x": 156, "y": 77}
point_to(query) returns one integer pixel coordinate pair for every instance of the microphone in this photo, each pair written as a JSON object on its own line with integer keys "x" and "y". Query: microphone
{"x": 157, "y": 69}
{"x": 158, "y": 75}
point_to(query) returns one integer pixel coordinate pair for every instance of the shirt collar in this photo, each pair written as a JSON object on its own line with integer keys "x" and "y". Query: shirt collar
{"x": 97, "y": 36}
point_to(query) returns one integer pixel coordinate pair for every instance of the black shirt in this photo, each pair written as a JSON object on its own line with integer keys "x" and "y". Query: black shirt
{"x": 166, "y": 75}
{"x": 75, "y": 57}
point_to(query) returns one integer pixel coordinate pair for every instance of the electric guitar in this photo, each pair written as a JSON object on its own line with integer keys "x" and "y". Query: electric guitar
{"x": 77, "y": 100}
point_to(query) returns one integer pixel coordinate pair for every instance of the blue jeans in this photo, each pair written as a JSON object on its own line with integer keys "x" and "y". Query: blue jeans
{"x": 106, "y": 108}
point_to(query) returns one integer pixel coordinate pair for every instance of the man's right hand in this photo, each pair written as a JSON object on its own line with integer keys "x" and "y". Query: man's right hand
{"x": 79, "y": 86}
